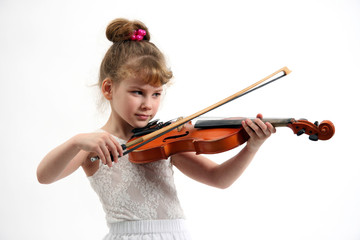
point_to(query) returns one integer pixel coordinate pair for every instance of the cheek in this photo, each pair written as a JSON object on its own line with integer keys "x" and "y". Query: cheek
{"x": 122, "y": 104}
{"x": 156, "y": 105}
{"x": 129, "y": 105}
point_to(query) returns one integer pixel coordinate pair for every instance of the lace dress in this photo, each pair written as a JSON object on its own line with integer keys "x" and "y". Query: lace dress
{"x": 130, "y": 192}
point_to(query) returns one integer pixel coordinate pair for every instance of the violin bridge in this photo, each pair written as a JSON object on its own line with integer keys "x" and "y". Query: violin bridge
{"x": 180, "y": 127}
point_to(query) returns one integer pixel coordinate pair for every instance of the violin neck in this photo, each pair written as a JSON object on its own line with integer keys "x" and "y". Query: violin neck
{"x": 279, "y": 122}
{"x": 236, "y": 123}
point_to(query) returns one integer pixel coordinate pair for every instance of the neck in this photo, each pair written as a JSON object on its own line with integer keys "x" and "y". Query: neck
{"x": 276, "y": 122}
{"x": 118, "y": 127}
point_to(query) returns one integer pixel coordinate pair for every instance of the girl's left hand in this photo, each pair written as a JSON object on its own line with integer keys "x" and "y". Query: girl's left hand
{"x": 258, "y": 131}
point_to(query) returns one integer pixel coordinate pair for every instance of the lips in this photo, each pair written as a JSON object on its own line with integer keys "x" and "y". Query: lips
{"x": 142, "y": 117}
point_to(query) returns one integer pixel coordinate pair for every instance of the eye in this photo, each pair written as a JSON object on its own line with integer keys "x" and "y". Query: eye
{"x": 157, "y": 94}
{"x": 137, "y": 92}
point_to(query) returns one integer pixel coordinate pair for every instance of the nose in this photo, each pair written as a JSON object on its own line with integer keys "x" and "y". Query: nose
{"x": 146, "y": 103}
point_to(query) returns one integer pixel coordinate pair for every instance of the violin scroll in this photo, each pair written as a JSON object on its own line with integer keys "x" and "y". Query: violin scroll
{"x": 324, "y": 131}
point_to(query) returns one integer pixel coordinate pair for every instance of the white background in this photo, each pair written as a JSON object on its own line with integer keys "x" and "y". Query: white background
{"x": 50, "y": 53}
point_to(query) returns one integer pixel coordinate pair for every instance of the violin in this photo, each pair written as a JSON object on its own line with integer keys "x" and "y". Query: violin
{"x": 159, "y": 141}
{"x": 215, "y": 136}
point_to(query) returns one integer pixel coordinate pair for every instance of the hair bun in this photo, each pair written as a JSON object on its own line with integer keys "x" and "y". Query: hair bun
{"x": 121, "y": 29}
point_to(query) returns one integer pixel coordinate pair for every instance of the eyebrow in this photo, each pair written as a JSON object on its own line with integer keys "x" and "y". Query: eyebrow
{"x": 160, "y": 89}
{"x": 156, "y": 89}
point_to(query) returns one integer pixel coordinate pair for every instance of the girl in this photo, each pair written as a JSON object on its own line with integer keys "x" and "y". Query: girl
{"x": 140, "y": 200}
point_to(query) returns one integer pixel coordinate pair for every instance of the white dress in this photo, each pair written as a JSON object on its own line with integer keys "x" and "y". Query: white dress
{"x": 140, "y": 200}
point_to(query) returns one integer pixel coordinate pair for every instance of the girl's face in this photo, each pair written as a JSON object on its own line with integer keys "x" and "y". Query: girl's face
{"x": 135, "y": 102}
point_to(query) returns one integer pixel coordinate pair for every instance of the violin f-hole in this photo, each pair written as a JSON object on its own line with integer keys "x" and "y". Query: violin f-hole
{"x": 176, "y": 136}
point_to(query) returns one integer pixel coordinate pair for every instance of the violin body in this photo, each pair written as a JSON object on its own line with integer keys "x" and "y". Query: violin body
{"x": 216, "y": 136}
{"x": 189, "y": 139}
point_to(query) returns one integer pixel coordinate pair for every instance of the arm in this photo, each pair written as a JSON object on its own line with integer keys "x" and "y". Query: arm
{"x": 69, "y": 156}
{"x": 223, "y": 175}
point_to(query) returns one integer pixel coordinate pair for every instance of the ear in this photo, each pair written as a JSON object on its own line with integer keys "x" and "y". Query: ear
{"x": 107, "y": 88}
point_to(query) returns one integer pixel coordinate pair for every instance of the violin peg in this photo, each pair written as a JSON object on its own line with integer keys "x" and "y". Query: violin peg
{"x": 301, "y": 132}
{"x": 316, "y": 123}
{"x": 314, "y": 137}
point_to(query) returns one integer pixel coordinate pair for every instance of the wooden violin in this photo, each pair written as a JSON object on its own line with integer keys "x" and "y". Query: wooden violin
{"x": 215, "y": 136}
{"x": 161, "y": 141}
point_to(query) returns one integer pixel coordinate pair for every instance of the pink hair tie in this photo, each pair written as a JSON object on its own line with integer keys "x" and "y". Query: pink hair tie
{"x": 138, "y": 35}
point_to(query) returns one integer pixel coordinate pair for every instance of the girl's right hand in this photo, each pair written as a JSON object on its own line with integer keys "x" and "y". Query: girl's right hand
{"x": 101, "y": 143}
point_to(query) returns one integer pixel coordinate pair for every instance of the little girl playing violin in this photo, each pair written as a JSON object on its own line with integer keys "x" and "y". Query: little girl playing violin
{"x": 140, "y": 200}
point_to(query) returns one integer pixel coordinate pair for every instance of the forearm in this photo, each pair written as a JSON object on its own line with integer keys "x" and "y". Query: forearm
{"x": 229, "y": 171}
{"x": 54, "y": 163}
{"x": 202, "y": 169}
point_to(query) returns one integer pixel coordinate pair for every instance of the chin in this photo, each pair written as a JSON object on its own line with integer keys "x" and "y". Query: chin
{"x": 140, "y": 124}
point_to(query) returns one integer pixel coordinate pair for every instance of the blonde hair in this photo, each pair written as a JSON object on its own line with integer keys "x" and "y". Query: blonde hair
{"x": 126, "y": 58}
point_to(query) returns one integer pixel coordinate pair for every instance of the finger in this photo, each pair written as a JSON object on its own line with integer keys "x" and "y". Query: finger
{"x": 101, "y": 155}
{"x": 106, "y": 152}
{"x": 248, "y": 129}
{"x": 113, "y": 149}
{"x": 271, "y": 128}
{"x": 256, "y": 129}
{"x": 118, "y": 147}
{"x": 267, "y": 128}
{"x": 261, "y": 124}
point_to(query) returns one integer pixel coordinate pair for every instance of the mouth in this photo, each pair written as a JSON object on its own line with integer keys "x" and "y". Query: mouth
{"x": 142, "y": 117}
